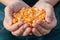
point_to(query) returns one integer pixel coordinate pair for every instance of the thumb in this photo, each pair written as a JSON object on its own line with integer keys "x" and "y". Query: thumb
{"x": 8, "y": 15}
{"x": 49, "y": 15}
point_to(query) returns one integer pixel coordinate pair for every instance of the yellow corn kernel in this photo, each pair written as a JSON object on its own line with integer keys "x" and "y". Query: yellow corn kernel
{"x": 29, "y": 15}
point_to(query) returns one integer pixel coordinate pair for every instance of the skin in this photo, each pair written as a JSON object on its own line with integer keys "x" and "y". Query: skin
{"x": 18, "y": 29}
{"x": 40, "y": 28}
{"x": 43, "y": 27}
{"x": 52, "y": 2}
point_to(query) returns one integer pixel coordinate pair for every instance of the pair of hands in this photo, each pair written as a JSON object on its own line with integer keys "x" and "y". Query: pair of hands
{"x": 39, "y": 28}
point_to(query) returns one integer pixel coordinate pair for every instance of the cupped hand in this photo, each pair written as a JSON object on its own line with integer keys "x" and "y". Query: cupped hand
{"x": 19, "y": 28}
{"x": 43, "y": 27}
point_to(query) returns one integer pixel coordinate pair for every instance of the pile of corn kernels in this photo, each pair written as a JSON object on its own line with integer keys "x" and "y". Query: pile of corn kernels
{"x": 29, "y": 15}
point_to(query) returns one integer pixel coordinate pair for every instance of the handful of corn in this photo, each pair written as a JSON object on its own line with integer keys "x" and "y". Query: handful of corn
{"x": 29, "y": 15}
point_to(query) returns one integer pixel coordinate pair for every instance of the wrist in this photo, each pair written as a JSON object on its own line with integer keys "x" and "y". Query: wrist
{"x": 43, "y": 2}
{"x": 52, "y": 2}
{"x": 8, "y": 2}
{"x": 16, "y": 1}
{"x": 13, "y": 1}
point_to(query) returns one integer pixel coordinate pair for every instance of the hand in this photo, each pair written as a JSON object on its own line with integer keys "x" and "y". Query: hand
{"x": 43, "y": 27}
{"x": 19, "y": 28}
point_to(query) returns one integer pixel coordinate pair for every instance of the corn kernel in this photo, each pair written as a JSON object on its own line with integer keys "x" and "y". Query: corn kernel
{"x": 29, "y": 15}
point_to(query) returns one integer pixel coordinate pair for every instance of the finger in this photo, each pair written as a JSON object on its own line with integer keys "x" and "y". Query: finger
{"x": 8, "y": 15}
{"x": 20, "y": 31}
{"x": 13, "y": 27}
{"x": 41, "y": 23}
{"x": 42, "y": 30}
{"x": 44, "y": 24}
{"x": 47, "y": 25}
{"x": 36, "y": 32}
{"x": 16, "y": 26}
{"x": 27, "y": 31}
{"x": 34, "y": 24}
